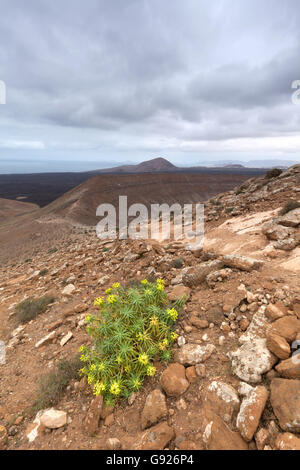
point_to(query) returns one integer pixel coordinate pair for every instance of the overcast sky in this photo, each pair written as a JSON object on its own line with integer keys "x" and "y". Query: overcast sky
{"x": 129, "y": 80}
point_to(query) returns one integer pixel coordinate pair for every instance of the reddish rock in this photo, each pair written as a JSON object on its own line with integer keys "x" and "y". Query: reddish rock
{"x": 218, "y": 436}
{"x": 287, "y": 441}
{"x": 91, "y": 422}
{"x": 154, "y": 410}
{"x": 285, "y": 400}
{"x": 109, "y": 420}
{"x": 191, "y": 374}
{"x": 187, "y": 445}
{"x": 290, "y": 369}
{"x": 3, "y": 437}
{"x": 231, "y": 300}
{"x": 173, "y": 380}
{"x": 156, "y": 438}
{"x": 178, "y": 292}
{"x": 275, "y": 311}
{"x": 250, "y": 412}
{"x": 222, "y": 400}
{"x": 278, "y": 346}
{"x": 288, "y": 327}
{"x": 198, "y": 323}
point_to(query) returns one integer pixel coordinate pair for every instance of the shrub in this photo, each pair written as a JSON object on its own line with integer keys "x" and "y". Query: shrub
{"x": 134, "y": 328}
{"x": 178, "y": 263}
{"x": 53, "y": 385}
{"x": 43, "y": 272}
{"x": 30, "y": 308}
{"x": 274, "y": 173}
{"x": 290, "y": 206}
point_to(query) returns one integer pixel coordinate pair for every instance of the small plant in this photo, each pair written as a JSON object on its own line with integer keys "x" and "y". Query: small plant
{"x": 30, "y": 308}
{"x": 274, "y": 173}
{"x": 178, "y": 263}
{"x": 134, "y": 327}
{"x": 290, "y": 206}
{"x": 53, "y": 385}
{"x": 43, "y": 272}
{"x": 52, "y": 250}
{"x": 105, "y": 250}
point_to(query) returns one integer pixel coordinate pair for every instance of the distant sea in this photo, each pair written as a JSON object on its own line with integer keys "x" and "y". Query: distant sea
{"x": 49, "y": 166}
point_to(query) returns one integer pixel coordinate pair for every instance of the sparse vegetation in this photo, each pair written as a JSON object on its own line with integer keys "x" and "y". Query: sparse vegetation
{"x": 134, "y": 327}
{"x": 52, "y": 250}
{"x": 290, "y": 206}
{"x": 178, "y": 263}
{"x": 52, "y": 386}
{"x": 30, "y": 308}
{"x": 274, "y": 173}
{"x": 43, "y": 272}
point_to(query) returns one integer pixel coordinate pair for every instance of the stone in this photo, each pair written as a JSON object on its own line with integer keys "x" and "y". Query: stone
{"x": 91, "y": 422}
{"x": 290, "y": 369}
{"x": 274, "y": 231}
{"x": 291, "y": 219}
{"x": 54, "y": 419}
{"x": 231, "y": 300}
{"x": 241, "y": 262}
{"x": 173, "y": 380}
{"x": 278, "y": 346}
{"x": 187, "y": 445}
{"x": 257, "y": 328}
{"x": 201, "y": 370}
{"x": 296, "y": 308}
{"x": 154, "y": 410}
{"x": 285, "y": 400}
{"x": 287, "y": 441}
{"x": 218, "y": 436}
{"x": 198, "y": 323}
{"x": 3, "y": 437}
{"x": 68, "y": 290}
{"x": 191, "y": 375}
{"x": 80, "y": 308}
{"x": 66, "y": 338}
{"x": 220, "y": 399}
{"x": 195, "y": 276}
{"x": 261, "y": 438}
{"x": 46, "y": 340}
{"x": 275, "y": 311}
{"x": 250, "y": 412}
{"x": 155, "y": 438}
{"x": 288, "y": 327}
{"x": 192, "y": 354}
{"x": 178, "y": 292}
{"x": 109, "y": 420}
{"x": 252, "y": 360}
{"x": 113, "y": 444}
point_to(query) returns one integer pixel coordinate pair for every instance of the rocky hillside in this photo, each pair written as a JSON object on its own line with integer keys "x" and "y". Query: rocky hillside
{"x": 234, "y": 379}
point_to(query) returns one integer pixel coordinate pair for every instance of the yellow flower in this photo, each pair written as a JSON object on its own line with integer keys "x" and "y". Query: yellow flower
{"x": 88, "y": 318}
{"x": 111, "y": 299}
{"x": 140, "y": 337}
{"x": 116, "y": 285}
{"x": 101, "y": 367}
{"x": 93, "y": 367}
{"x": 115, "y": 388}
{"x": 151, "y": 371}
{"x": 83, "y": 358}
{"x": 174, "y": 336}
{"x": 99, "y": 388}
{"x": 154, "y": 321}
{"x": 172, "y": 313}
{"x": 99, "y": 301}
{"x": 119, "y": 360}
{"x": 144, "y": 282}
{"x": 108, "y": 291}
{"x": 160, "y": 284}
{"x": 82, "y": 348}
{"x": 136, "y": 383}
{"x": 148, "y": 292}
{"x": 143, "y": 359}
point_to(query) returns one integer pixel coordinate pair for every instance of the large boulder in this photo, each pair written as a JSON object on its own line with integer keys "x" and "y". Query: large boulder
{"x": 285, "y": 400}
{"x": 220, "y": 399}
{"x": 218, "y": 436}
{"x": 250, "y": 412}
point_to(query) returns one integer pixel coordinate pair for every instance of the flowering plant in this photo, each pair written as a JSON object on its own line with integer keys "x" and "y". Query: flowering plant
{"x": 134, "y": 328}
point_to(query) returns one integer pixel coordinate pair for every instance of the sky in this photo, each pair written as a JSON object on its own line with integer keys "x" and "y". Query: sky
{"x": 118, "y": 81}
